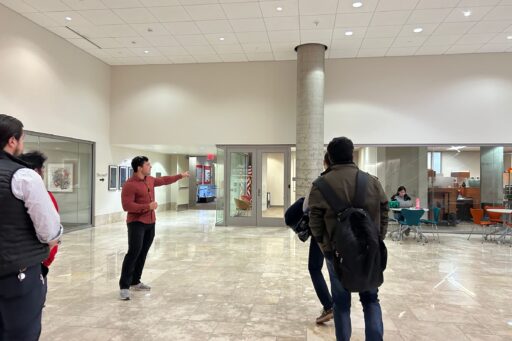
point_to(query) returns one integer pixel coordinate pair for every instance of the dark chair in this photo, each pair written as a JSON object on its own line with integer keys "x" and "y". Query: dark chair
{"x": 435, "y": 220}
{"x": 411, "y": 220}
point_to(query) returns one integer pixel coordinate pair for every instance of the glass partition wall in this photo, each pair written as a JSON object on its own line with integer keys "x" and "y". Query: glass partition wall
{"x": 68, "y": 174}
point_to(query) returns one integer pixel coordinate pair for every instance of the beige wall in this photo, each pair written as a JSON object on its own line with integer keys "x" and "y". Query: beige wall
{"x": 463, "y": 161}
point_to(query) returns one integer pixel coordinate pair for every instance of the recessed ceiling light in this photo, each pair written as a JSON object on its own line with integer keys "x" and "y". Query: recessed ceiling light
{"x": 146, "y": 51}
{"x": 509, "y": 37}
{"x": 466, "y": 13}
{"x": 418, "y": 30}
{"x": 357, "y": 4}
{"x": 221, "y": 38}
{"x": 69, "y": 18}
{"x": 279, "y": 9}
{"x": 349, "y": 33}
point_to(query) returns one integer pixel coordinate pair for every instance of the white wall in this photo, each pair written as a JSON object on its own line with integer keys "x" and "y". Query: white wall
{"x": 463, "y": 161}
{"x": 275, "y": 179}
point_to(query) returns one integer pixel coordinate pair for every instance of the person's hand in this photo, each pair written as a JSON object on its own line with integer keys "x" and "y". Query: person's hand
{"x": 185, "y": 174}
{"x": 153, "y": 205}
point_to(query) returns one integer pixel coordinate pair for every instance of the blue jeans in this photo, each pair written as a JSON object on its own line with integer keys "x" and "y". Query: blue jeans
{"x": 315, "y": 264}
{"x": 374, "y": 328}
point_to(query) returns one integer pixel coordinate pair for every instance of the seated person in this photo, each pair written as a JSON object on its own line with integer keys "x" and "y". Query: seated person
{"x": 404, "y": 201}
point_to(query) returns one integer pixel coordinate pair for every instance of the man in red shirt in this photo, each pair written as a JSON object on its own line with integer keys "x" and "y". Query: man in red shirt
{"x": 138, "y": 199}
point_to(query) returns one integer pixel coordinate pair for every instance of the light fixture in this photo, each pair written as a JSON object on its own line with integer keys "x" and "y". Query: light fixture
{"x": 456, "y": 148}
{"x": 221, "y": 38}
{"x": 349, "y": 33}
{"x": 509, "y": 37}
{"x": 418, "y": 30}
{"x": 279, "y": 9}
{"x": 466, "y": 13}
{"x": 146, "y": 51}
{"x": 69, "y": 18}
{"x": 357, "y": 4}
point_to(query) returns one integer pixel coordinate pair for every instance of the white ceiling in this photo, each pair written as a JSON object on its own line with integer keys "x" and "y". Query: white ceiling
{"x": 132, "y": 32}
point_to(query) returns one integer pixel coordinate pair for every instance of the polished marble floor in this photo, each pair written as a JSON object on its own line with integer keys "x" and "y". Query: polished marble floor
{"x": 234, "y": 283}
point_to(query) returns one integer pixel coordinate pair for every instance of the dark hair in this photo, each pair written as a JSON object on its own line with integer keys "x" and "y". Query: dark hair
{"x": 9, "y": 127}
{"x": 340, "y": 150}
{"x": 401, "y": 188}
{"x": 327, "y": 161}
{"x": 34, "y": 159}
{"x": 138, "y": 161}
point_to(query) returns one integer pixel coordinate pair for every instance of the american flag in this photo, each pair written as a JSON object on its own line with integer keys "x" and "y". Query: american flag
{"x": 248, "y": 185}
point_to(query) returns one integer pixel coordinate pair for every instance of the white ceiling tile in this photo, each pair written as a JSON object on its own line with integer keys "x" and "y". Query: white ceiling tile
{"x": 257, "y": 48}
{"x": 182, "y": 59}
{"x": 233, "y": 57}
{"x": 228, "y": 48}
{"x": 383, "y": 31}
{"x": 285, "y": 55}
{"x": 473, "y": 39}
{"x": 345, "y": 6}
{"x": 170, "y": 13}
{"x": 378, "y": 52}
{"x": 208, "y": 58}
{"x": 166, "y": 40}
{"x": 260, "y": 56}
{"x": 494, "y": 48}
{"x": 205, "y": 12}
{"x": 122, "y": 3}
{"x": 432, "y": 50}
{"x": 47, "y": 5}
{"x": 41, "y": 19}
{"x": 248, "y": 25}
{"x": 63, "y": 32}
{"x": 214, "y": 26}
{"x": 228, "y": 38}
{"x": 506, "y": 3}
{"x": 135, "y": 15}
{"x": 477, "y": 13}
{"x": 408, "y": 30}
{"x": 145, "y": 51}
{"x": 489, "y": 27}
{"x": 376, "y": 43}
{"x": 456, "y": 49}
{"x": 390, "y": 18}
{"x": 89, "y": 31}
{"x": 283, "y": 36}
{"x": 123, "y": 52}
{"x": 357, "y": 33}
{"x": 402, "y": 51}
{"x": 195, "y": 39}
{"x": 200, "y": 49}
{"x": 426, "y": 16}
{"x": 353, "y": 19}
{"x": 289, "y": 8}
{"x": 182, "y": 28}
{"x": 423, "y": 4}
{"x": 128, "y": 61}
{"x": 133, "y": 42}
{"x": 115, "y": 31}
{"x": 284, "y": 47}
{"x": 18, "y": 6}
{"x": 346, "y": 53}
{"x": 396, "y": 5}
{"x": 156, "y": 60}
{"x": 313, "y": 22}
{"x": 409, "y": 41}
{"x": 345, "y": 44}
{"x": 151, "y": 29}
{"x": 252, "y": 37}
{"x": 173, "y": 51}
{"x": 159, "y": 3}
{"x": 60, "y": 17}
{"x": 242, "y": 10}
{"x": 107, "y": 43}
{"x": 101, "y": 17}
{"x": 453, "y": 28}
{"x": 442, "y": 40}
{"x": 83, "y": 44}
{"x": 501, "y": 39}
{"x": 316, "y": 36}
{"x": 315, "y": 7}
{"x": 282, "y": 23}
{"x": 477, "y": 3}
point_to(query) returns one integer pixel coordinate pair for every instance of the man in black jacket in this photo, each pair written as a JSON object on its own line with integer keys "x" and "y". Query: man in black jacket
{"x": 29, "y": 225}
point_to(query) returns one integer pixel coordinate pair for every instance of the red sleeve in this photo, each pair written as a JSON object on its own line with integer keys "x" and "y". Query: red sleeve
{"x": 51, "y": 256}
{"x": 167, "y": 180}
{"x": 128, "y": 200}
{"x": 54, "y": 201}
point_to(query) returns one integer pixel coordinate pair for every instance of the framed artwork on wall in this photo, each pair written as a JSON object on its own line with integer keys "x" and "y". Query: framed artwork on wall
{"x": 60, "y": 177}
{"x": 123, "y": 175}
{"x": 112, "y": 177}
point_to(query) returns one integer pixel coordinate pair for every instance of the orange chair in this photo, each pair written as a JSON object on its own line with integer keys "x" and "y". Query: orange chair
{"x": 477, "y": 214}
{"x": 494, "y": 217}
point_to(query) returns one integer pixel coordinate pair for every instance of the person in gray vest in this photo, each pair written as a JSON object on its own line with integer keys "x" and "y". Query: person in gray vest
{"x": 29, "y": 226}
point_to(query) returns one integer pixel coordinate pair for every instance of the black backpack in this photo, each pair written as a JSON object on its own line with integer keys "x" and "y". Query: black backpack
{"x": 297, "y": 220}
{"x": 360, "y": 256}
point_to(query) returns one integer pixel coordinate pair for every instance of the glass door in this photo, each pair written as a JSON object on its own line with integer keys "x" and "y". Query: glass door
{"x": 273, "y": 186}
{"x": 241, "y": 208}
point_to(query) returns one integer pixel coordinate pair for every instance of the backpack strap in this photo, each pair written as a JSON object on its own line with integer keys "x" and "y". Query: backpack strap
{"x": 330, "y": 196}
{"x": 361, "y": 184}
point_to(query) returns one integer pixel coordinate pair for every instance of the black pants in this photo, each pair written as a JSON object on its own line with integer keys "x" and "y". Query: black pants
{"x": 140, "y": 238}
{"x": 21, "y": 305}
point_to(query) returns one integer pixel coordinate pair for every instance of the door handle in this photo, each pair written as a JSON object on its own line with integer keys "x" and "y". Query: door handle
{"x": 259, "y": 192}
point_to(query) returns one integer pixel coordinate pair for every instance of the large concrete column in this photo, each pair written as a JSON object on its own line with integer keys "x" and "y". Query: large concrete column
{"x": 310, "y": 115}
{"x": 491, "y": 175}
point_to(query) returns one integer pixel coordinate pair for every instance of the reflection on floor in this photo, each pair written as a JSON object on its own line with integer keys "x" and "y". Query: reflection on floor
{"x": 273, "y": 212}
{"x": 234, "y": 283}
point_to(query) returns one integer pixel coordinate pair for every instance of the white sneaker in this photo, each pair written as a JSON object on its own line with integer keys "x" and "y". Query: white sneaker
{"x": 124, "y": 294}
{"x": 140, "y": 287}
